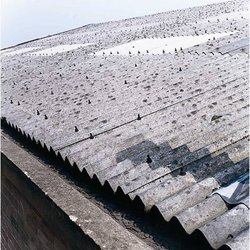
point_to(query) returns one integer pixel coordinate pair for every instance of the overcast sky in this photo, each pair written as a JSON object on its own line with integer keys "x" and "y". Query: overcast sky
{"x": 23, "y": 20}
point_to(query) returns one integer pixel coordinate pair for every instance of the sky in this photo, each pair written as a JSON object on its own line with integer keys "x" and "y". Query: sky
{"x": 23, "y": 20}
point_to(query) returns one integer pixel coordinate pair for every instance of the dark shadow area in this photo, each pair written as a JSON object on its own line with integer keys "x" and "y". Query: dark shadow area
{"x": 155, "y": 155}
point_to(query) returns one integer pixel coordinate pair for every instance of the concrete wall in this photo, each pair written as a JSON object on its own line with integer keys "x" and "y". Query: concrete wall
{"x": 31, "y": 220}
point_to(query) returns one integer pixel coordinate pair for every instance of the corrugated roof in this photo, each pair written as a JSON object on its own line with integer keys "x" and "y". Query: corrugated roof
{"x": 166, "y": 130}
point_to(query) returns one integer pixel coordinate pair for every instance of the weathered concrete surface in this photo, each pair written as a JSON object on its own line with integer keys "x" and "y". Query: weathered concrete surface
{"x": 92, "y": 229}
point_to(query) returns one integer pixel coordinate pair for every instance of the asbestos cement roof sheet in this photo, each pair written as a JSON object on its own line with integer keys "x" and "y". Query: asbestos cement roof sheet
{"x": 168, "y": 128}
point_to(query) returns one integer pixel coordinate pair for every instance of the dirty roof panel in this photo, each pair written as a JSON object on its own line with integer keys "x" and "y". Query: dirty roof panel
{"x": 164, "y": 123}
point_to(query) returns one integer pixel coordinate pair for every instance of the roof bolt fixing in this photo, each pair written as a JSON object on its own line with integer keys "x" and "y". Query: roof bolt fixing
{"x": 182, "y": 172}
{"x": 149, "y": 160}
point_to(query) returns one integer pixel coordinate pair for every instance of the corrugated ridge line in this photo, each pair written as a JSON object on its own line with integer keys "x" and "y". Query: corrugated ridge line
{"x": 27, "y": 136}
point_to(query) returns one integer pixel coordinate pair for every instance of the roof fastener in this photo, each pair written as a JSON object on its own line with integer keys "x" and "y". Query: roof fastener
{"x": 76, "y": 129}
{"x": 45, "y": 117}
{"x": 125, "y": 82}
{"x": 89, "y": 102}
{"x": 135, "y": 65}
{"x": 215, "y": 117}
{"x": 182, "y": 172}
{"x": 18, "y": 103}
{"x": 180, "y": 69}
{"x": 138, "y": 117}
{"x": 91, "y": 136}
{"x": 11, "y": 101}
{"x": 52, "y": 93}
{"x": 37, "y": 112}
{"x": 149, "y": 160}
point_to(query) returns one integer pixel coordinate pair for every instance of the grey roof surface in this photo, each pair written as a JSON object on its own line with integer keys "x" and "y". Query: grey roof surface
{"x": 167, "y": 130}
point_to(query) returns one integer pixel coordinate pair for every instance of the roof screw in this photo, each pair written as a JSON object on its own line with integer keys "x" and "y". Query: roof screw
{"x": 147, "y": 51}
{"x": 52, "y": 93}
{"x": 45, "y": 117}
{"x": 11, "y": 101}
{"x": 138, "y": 117}
{"x": 125, "y": 82}
{"x": 175, "y": 50}
{"x": 163, "y": 51}
{"x": 181, "y": 48}
{"x": 89, "y": 102}
{"x": 87, "y": 77}
{"x": 129, "y": 52}
{"x": 76, "y": 129}
{"x": 117, "y": 52}
{"x": 37, "y": 112}
{"x": 182, "y": 172}
{"x": 103, "y": 53}
{"x": 149, "y": 160}
{"x": 138, "y": 52}
{"x": 135, "y": 65}
{"x": 18, "y": 103}
{"x": 91, "y": 136}
{"x": 180, "y": 69}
